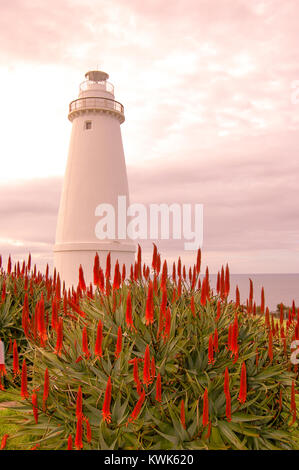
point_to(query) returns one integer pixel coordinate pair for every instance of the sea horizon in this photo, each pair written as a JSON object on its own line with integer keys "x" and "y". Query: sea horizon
{"x": 278, "y": 287}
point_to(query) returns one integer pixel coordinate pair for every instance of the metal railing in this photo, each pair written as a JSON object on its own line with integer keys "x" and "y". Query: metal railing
{"x": 96, "y": 103}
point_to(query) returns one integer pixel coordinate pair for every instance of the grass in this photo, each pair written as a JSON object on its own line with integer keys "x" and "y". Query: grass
{"x": 20, "y": 441}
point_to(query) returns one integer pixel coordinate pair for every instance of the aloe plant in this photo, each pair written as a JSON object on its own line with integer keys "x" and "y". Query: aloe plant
{"x": 153, "y": 362}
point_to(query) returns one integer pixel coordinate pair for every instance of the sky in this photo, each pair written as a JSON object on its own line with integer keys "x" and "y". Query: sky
{"x": 207, "y": 91}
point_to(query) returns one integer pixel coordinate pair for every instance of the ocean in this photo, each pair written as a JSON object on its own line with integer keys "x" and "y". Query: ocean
{"x": 278, "y": 288}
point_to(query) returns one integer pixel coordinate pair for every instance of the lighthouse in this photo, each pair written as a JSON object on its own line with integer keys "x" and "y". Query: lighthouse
{"x": 95, "y": 174}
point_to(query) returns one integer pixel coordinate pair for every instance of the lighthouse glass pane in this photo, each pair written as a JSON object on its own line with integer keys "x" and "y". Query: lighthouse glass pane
{"x": 87, "y": 125}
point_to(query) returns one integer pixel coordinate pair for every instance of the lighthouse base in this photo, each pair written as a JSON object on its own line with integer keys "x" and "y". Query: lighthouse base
{"x": 69, "y": 256}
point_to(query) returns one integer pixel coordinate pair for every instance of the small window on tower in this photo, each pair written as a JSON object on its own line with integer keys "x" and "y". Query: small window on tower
{"x": 87, "y": 125}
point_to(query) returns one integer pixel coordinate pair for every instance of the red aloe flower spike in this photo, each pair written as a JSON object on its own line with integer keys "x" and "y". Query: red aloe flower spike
{"x": 3, "y": 291}
{"x": 228, "y": 409}
{"x": 179, "y": 267}
{"x": 101, "y": 281}
{"x": 250, "y": 292}
{"x": 243, "y": 385}
{"x": 182, "y": 414}
{"x": 137, "y": 409}
{"x": 58, "y": 287}
{"x": 118, "y": 343}
{"x": 281, "y": 314}
{"x": 123, "y": 274}
{"x": 158, "y": 388}
{"x": 107, "y": 400}
{"x": 88, "y": 429}
{"x": 9, "y": 265}
{"x": 154, "y": 260}
{"x": 59, "y": 338}
{"x": 167, "y": 324}
{"x": 78, "y": 438}
{"x": 3, "y": 441}
{"x": 1, "y": 385}
{"x": 82, "y": 284}
{"x": 16, "y": 368}
{"x": 207, "y": 274}
{"x": 146, "y": 368}
{"x": 237, "y": 297}
{"x": 174, "y": 273}
{"x": 149, "y": 310}
{"x": 210, "y": 351}
{"x": 226, "y": 381}
{"x": 108, "y": 266}
{"x": 117, "y": 277}
{"x": 129, "y": 319}
{"x": 139, "y": 261}
{"x": 98, "y": 346}
{"x": 79, "y": 402}
{"x": 24, "y": 390}
{"x": 34, "y": 407}
{"x": 41, "y": 321}
{"x": 198, "y": 261}
{"x": 85, "y": 343}
{"x": 203, "y": 294}
{"x": 96, "y": 269}
{"x": 222, "y": 283}
{"x": 226, "y": 282}
{"x": 46, "y": 388}
{"x": 205, "y": 414}
{"x": 164, "y": 275}
{"x": 267, "y": 317}
{"x": 70, "y": 443}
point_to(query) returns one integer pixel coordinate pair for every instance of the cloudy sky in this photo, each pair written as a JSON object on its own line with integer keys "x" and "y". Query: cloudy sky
{"x": 207, "y": 88}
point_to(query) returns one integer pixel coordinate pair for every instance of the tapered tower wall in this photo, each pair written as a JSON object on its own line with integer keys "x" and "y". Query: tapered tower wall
{"x": 95, "y": 174}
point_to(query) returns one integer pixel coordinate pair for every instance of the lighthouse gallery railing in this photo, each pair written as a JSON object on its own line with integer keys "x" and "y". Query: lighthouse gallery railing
{"x": 96, "y": 103}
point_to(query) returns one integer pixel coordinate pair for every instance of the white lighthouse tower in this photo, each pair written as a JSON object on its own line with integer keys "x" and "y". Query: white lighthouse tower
{"x": 95, "y": 174}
